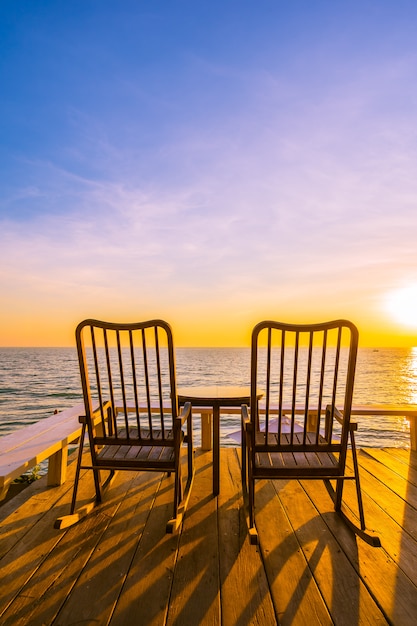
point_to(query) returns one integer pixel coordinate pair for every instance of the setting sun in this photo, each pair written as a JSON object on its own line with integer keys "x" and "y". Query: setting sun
{"x": 402, "y": 305}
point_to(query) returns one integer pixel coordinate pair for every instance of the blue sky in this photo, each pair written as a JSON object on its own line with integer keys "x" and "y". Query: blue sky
{"x": 211, "y": 163}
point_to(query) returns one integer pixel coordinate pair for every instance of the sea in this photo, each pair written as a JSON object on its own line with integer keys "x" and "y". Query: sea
{"x": 34, "y": 382}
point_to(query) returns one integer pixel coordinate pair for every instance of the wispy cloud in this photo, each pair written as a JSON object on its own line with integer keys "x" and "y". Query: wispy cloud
{"x": 287, "y": 180}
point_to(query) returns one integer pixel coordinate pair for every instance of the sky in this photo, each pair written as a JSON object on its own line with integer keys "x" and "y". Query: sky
{"x": 210, "y": 163}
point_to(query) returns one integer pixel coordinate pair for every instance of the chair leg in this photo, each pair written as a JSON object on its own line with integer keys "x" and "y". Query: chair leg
{"x": 338, "y": 494}
{"x": 190, "y": 452}
{"x": 248, "y": 488}
{"x": 97, "y": 485}
{"x": 251, "y": 493}
{"x": 358, "y": 530}
{"x": 253, "y": 533}
{"x": 357, "y": 481}
{"x": 244, "y": 453}
{"x": 181, "y": 495}
{"x": 177, "y": 490}
{"x": 180, "y": 488}
{"x": 77, "y": 470}
{"x": 69, "y": 520}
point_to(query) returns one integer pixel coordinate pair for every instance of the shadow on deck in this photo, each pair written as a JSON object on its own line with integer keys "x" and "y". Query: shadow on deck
{"x": 119, "y": 567}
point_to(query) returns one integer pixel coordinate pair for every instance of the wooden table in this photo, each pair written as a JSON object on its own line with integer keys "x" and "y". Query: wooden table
{"x": 216, "y": 397}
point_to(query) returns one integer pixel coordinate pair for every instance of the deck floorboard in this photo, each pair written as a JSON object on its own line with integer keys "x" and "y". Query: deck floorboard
{"x": 118, "y": 566}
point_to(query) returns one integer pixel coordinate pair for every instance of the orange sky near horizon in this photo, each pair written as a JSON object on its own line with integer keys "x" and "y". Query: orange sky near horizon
{"x": 206, "y": 327}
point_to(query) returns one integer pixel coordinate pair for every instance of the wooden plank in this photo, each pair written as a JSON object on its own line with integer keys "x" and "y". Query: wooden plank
{"x": 406, "y": 490}
{"x": 61, "y": 433}
{"x": 206, "y": 416}
{"x": 68, "y": 418}
{"x": 57, "y": 467}
{"x": 211, "y": 577}
{"x": 146, "y": 591}
{"x": 40, "y": 599}
{"x": 347, "y": 598}
{"x": 242, "y": 574}
{"x": 39, "y": 440}
{"x": 391, "y": 518}
{"x": 67, "y": 565}
{"x": 384, "y": 409}
{"x": 295, "y": 595}
{"x": 390, "y": 502}
{"x": 195, "y": 590}
{"x": 409, "y": 457}
{"x": 21, "y": 514}
{"x": 33, "y": 444}
{"x": 98, "y": 586}
{"x": 395, "y": 465}
{"x": 19, "y": 565}
{"x": 395, "y": 594}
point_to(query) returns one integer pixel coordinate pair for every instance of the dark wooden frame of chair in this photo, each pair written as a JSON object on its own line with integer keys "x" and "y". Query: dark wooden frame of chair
{"x": 121, "y": 409}
{"x": 313, "y": 452}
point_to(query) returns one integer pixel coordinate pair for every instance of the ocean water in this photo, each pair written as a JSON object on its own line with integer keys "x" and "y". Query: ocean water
{"x": 36, "y": 381}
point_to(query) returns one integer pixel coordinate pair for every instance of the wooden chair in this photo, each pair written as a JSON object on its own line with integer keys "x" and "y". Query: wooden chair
{"x": 131, "y": 408}
{"x": 303, "y": 427}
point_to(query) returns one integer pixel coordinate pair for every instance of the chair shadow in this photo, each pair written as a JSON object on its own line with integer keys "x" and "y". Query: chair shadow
{"x": 305, "y": 564}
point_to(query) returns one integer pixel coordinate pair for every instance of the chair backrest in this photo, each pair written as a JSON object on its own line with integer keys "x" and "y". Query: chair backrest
{"x": 128, "y": 376}
{"x": 306, "y": 373}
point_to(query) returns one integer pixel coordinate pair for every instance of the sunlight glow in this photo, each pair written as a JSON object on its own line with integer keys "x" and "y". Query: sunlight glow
{"x": 402, "y": 305}
{"x": 412, "y": 379}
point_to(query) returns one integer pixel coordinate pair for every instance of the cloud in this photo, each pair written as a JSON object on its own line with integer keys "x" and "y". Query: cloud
{"x": 282, "y": 191}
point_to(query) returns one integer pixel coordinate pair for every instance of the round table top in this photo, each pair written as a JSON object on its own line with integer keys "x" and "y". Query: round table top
{"x": 216, "y": 393}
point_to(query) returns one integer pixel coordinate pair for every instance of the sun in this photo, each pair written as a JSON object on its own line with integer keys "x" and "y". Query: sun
{"x": 401, "y": 304}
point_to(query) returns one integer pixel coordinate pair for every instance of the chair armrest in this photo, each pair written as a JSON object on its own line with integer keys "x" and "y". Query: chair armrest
{"x": 246, "y": 422}
{"x": 339, "y": 417}
{"x": 184, "y": 413}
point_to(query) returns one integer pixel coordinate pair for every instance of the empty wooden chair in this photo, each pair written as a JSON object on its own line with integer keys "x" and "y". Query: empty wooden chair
{"x": 131, "y": 408}
{"x": 303, "y": 426}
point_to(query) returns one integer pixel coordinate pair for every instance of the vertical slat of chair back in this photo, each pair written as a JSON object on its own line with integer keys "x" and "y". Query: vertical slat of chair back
{"x": 268, "y": 384}
{"x": 122, "y": 384}
{"x": 146, "y": 378}
{"x": 98, "y": 379}
{"x": 135, "y": 386}
{"x": 323, "y": 341}
{"x": 131, "y": 367}
{"x": 330, "y": 418}
{"x": 111, "y": 423}
{"x": 294, "y": 387}
{"x": 303, "y": 369}
{"x": 308, "y": 383}
{"x": 281, "y": 379}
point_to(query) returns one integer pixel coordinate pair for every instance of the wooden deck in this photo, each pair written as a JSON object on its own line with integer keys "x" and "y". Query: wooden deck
{"x": 119, "y": 567}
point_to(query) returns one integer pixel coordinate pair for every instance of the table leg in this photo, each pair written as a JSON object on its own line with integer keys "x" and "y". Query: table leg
{"x": 216, "y": 450}
{"x": 206, "y": 429}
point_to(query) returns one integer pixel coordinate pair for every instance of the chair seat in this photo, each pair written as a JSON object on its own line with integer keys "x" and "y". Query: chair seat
{"x": 293, "y": 462}
{"x": 279, "y": 443}
{"x": 145, "y": 437}
{"x": 322, "y": 463}
{"x": 157, "y": 448}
